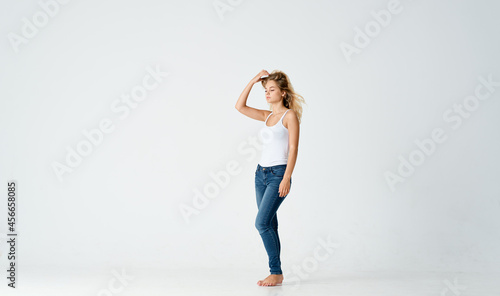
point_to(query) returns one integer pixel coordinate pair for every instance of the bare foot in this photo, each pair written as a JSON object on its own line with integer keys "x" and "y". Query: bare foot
{"x": 271, "y": 280}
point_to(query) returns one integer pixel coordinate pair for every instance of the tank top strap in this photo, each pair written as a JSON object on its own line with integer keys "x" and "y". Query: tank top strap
{"x": 284, "y": 115}
{"x": 268, "y": 117}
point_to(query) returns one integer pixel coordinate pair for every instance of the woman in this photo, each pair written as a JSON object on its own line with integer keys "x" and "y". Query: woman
{"x": 273, "y": 176}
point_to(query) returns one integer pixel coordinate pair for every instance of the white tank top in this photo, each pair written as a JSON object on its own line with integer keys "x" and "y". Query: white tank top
{"x": 275, "y": 143}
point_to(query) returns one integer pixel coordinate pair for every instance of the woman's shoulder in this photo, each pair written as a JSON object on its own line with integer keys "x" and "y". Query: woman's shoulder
{"x": 290, "y": 114}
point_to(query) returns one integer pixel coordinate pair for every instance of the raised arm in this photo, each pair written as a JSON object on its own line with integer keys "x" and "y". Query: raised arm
{"x": 241, "y": 104}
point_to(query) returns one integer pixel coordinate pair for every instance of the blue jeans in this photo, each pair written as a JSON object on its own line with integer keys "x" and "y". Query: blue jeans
{"x": 267, "y": 182}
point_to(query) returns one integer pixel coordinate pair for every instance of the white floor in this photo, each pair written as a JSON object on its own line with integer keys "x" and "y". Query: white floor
{"x": 73, "y": 282}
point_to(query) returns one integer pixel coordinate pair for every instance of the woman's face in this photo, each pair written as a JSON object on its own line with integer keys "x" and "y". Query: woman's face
{"x": 273, "y": 92}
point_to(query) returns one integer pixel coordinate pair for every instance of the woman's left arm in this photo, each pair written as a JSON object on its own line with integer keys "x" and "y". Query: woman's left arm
{"x": 293, "y": 143}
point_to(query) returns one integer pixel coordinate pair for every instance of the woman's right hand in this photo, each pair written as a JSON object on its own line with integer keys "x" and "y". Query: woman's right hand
{"x": 258, "y": 77}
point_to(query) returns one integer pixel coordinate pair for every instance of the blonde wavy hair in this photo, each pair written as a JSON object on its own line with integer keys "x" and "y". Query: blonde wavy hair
{"x": 291, "y": 100}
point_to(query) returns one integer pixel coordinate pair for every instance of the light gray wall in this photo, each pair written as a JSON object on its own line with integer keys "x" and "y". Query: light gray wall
{"x": 120, "y": 205}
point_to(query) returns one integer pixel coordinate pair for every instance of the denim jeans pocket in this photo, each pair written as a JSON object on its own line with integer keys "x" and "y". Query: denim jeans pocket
{"x": 278, "y": 172}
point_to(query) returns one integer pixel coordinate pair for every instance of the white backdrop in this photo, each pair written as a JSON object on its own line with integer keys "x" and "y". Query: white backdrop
{"x": 161, "y": 78}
